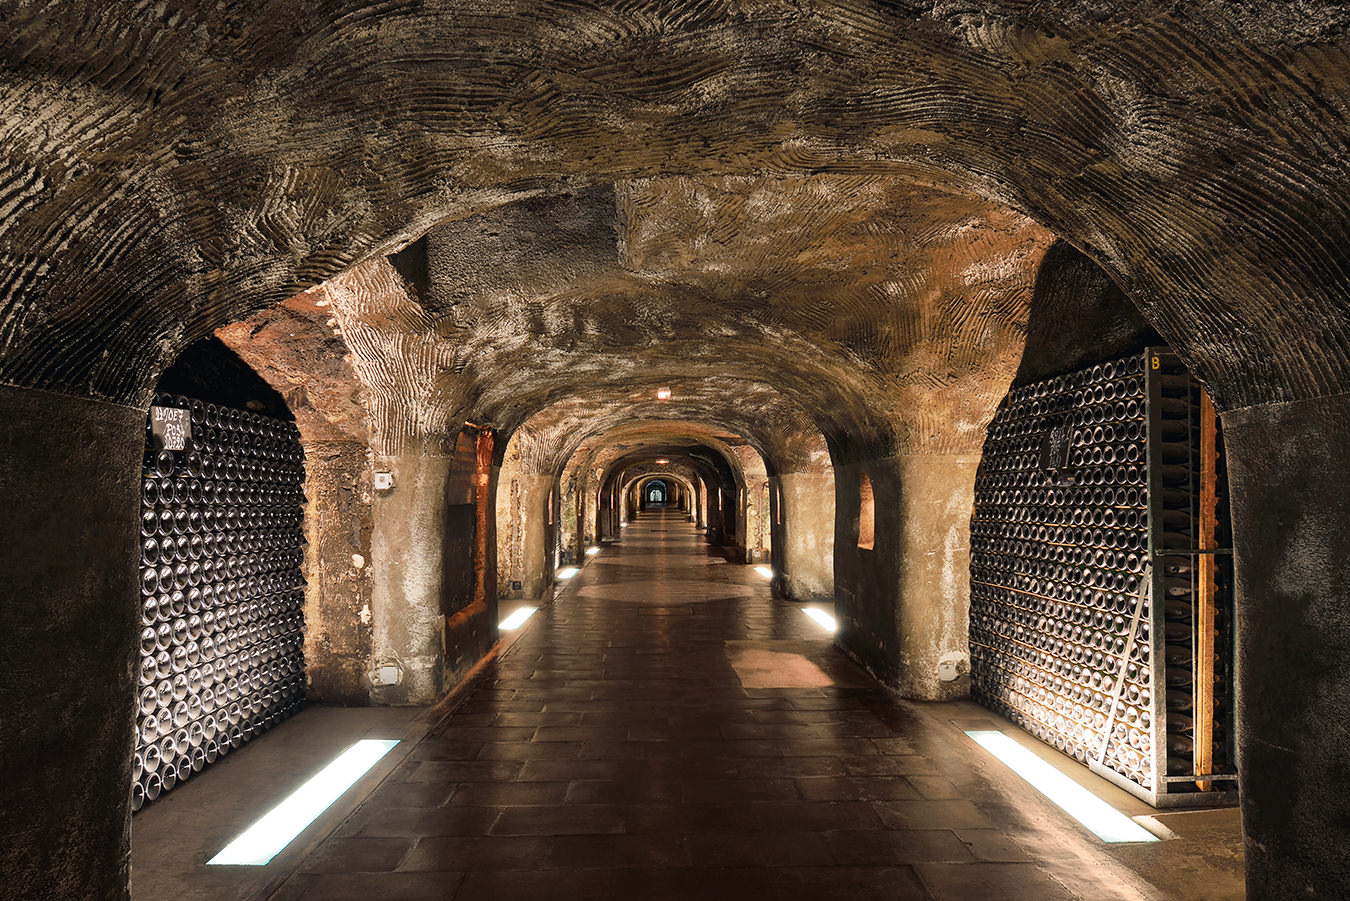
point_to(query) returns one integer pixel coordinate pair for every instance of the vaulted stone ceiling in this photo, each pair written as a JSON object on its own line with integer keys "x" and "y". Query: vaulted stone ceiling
{"x": 878, "y": 314}
{"x": 862, "y": 302}
{"x": 171, "y": 168}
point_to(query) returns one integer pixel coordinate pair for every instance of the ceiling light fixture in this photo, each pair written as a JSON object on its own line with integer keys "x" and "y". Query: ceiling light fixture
{"x": 663, "y": 394}
{"x": 663, "y": 462}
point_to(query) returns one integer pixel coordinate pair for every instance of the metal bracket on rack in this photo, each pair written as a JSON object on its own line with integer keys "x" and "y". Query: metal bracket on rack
{"x": 1145, "y": 593}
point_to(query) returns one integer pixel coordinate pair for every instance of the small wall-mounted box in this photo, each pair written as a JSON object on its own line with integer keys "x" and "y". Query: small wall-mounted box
{"x": 384, "y": 481}
{"x": 386, "y": 674}
{"x": 950, "y": 667}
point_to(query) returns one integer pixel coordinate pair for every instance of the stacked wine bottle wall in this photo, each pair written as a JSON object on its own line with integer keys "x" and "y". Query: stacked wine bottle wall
{"x": 221, "y": 592}
{"x": 1084, "y": 560}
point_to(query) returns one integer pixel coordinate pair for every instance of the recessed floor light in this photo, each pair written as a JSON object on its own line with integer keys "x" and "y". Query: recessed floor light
{"x": 826, "y": 621}
{"x": 764, "y": 571}
{"x": 1109, "y": 824}
{"x": 567, "y": 572}
{"x": 516, "y": 620}
{"x": 592, "y": 551}
{"x": 278, "y": 827}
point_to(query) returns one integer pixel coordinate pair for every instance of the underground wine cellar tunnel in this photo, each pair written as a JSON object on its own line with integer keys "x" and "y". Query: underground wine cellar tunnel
{"x": 679, "y": 450}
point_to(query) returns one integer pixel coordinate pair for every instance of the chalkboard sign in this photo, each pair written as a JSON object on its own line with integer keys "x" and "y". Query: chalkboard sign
{"x": 1055, "y": 446}
{"x": 171, "y": 427}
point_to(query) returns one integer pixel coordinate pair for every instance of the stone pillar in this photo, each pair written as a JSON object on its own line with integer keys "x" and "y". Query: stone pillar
{"x": 1290, "y": 500}
{"x": 905, "y": 604}
{"x": 338, "y": 572}
{"x": 536, "y": 554}
{"x": 406, "y": 552}
{"x": 804, "y": 539}
{"x": 70, "y": 492}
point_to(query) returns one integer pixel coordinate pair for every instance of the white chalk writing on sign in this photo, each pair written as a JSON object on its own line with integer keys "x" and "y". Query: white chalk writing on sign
{"x": 171, "y": 426}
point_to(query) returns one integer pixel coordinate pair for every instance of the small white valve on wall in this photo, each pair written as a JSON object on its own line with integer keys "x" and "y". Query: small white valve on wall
{"x": 952, "y": 666}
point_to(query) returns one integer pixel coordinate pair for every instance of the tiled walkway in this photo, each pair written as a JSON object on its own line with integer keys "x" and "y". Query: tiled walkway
{"x": 666, "y": 729}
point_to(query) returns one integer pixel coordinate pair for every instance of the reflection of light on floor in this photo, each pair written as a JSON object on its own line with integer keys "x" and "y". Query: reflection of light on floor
{"x": 516, "y": 620}
{"x": 826, "y": 621}
{"x": 592, "y": 551}
{"x": 567, "y": 572}
{"x": 277, "y": 828}
{"x": 764, "y": 665}
{"x": 764, "y": 571}
{"x": 1109, "y": 824}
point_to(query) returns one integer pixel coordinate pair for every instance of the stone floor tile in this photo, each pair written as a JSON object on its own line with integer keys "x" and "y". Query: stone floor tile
{"x": 375, "y": 820}
{"x": 711, "y": 791}
{"x": 625, "y": 791}
{"x": 886, "y": 847}
{"x": 891, "y": 765}
{"x": 479, "y": 853}
{"x": 525, "y": 750}
{"x": 416, "y": 794}
{"x": 544, "y": 885}
{"x": 780, "y": 884}
{"x": 857, "y": 788}
{"x": 572, "y": 819}
{"x": 505, "y": 794}
{"x": 460, "y": 771}
{"x": 762, "y": 849}
{"x": 993, "y": 845}
{"x": 358, "y": 855}
{"x": 934, "y": 788}
{"x": 989, "y": 882}
{"x": 932, "y": 815}
{"x": 614, "y": 851}
{"x": 373, "y": 887}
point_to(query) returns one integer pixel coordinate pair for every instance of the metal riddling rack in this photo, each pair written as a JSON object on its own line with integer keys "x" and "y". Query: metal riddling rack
{"x": 1101, "y": 577}
{"x": 221, "y": 589}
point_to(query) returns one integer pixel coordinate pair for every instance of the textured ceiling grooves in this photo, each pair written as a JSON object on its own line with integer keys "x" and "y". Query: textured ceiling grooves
{"x": 886, "y": 317}
{"x": 407, "y": 372}
{"x": 169, "y": 169}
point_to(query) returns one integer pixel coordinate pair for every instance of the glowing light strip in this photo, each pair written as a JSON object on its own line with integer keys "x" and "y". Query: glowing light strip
{"x": 764, "y": 571}
{"x": 592, "y": 551}
{"x": 278, "y": 827}
{"x": 826, "y": 621}
{"x": 567, "y": 572}
{"x": 517, "y": 619}
{"x": 1109, "y": 824}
